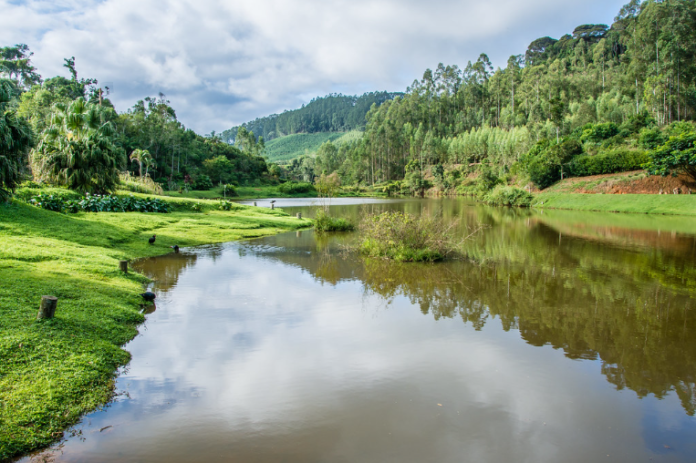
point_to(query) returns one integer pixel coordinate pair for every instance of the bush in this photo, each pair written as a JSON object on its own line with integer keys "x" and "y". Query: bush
{"x": 678, "y": 154}
{"x": 323, "y": 223}
{"x": 202, "y": 182}
{"x": 509, "y": 196}
{"x": 609, "y": 162}
{"x": 407, "y": 238}
{"x": 98, "y": 203}
{"x": 226, "y": 206}
{"x": 543, "y": 162}
{"x": 651, "y": 138}
{"x": 596, "y": 133}
{"x": 291, "y": 188}
{"x": 229, "y": 190}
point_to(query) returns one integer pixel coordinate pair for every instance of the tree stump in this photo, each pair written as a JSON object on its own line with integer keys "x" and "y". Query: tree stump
{"x": 123, "y": 265}
{"x": 48, "y": 307}
{"x": 299, "y": 215}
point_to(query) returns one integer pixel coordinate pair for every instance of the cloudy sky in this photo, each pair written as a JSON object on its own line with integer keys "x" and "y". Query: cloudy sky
{"x": 223, "y": 62}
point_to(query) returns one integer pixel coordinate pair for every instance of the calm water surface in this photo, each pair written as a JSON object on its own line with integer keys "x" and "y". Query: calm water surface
{"x": 569, "y": 338}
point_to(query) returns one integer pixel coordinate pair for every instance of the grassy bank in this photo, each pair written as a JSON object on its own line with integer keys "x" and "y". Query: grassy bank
{"x": 54, "y": 371}
{"x": 643, "y": 204}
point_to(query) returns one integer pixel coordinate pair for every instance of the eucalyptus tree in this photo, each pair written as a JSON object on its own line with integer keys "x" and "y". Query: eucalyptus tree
{"x": 78, "y": 149}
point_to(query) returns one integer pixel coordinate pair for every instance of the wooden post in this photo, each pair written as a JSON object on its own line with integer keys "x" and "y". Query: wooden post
{"x": 254, "y": 203}
{"x": 299, "y": 215}
{"x": 272, "y": 206}
{"x": 123, "y": 265}
{"x": 48, "y": 307}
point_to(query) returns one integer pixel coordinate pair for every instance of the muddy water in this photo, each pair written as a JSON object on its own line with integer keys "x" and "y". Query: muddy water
{"x": 570, "y": 337}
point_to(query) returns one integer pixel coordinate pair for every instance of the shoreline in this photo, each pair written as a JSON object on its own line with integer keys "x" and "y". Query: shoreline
{"x": 53, "y": 372}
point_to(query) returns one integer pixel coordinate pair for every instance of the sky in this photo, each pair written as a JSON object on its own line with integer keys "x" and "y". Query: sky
{"x": 222, "y": 62}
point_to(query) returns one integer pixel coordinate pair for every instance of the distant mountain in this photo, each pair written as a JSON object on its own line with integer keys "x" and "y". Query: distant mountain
{"x": 332, "y": 113}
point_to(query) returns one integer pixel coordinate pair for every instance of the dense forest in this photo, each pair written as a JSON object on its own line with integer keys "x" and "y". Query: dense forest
{"x": 65, "y": 131}
{"x": 332, "y": 113}
{"x": 599, "y": 100}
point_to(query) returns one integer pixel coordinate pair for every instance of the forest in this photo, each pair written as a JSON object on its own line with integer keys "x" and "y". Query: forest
{"x": 603, "y": 99}
{"x": 65, "y": 131}
{"x": 332, "y": 113}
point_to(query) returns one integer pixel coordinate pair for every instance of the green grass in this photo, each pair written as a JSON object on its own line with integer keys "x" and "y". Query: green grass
{"x": 54, "y": 371}
{"x": 286, "y": 148}
{"x": 643, "y": 204}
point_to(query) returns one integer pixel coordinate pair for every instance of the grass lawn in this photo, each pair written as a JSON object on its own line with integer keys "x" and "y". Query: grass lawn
{"x": 54, "y": 371}
{"x": 643, "y": 204}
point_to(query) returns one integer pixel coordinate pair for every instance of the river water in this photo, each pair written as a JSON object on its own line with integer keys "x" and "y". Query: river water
{"x": 566, "y": 337}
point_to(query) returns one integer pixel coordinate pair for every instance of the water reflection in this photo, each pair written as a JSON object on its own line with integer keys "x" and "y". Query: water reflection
{"x": 534, "y": 349}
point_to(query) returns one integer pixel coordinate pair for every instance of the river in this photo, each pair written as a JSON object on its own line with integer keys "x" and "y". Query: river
{"x": 564, "y": 337}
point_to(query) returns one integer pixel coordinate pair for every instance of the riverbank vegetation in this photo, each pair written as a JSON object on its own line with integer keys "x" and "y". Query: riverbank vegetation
{"x": 54, "y": 371}
{"x": 603, "y": 99}
{"x": 405, "y": 237}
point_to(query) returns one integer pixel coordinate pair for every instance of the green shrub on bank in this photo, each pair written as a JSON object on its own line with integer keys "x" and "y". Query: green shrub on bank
{"x": 291, "y": 188}
{"x": 407, "y": 238}
{"x": 323, "y": 223}
{"x": 609, "y": 162}
{"x": 99, "y": 203}
{"x": 509, "y": 196}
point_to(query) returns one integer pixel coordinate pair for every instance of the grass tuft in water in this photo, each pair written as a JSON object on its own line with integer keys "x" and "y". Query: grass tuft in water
{"x": 323, "y": 223}
{"x": 408, "y": 238}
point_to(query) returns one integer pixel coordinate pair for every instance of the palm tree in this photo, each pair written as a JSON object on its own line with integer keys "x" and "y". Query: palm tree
{"x": 77, "y": 149}
{"x": 142, "y": 157}
{"x": 15, "y": 141}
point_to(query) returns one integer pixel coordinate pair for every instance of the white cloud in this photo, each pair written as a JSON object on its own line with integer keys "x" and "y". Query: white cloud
{"x": 222, "y": 62}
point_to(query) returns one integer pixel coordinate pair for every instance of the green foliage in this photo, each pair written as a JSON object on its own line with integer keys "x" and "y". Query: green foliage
{"x": 203, "y": 183}
{"x": 332, "y": 113}
{"x": 651, "y": 138}
{"x": 292, "y": 188}
{"x": 99, "y": 203}
{"x": 226, "y": 206}
{"x": 15, "y": 141}
{"x": 78, "y": 149}
{"x": 323, "y": 223}
{"x": 544, "y": 161}
{"x": 407, "y": 238}
{"x": 286, "y": 148}
{"x": 607, "y": 162}
{"x": 508, "y": 196}
{"x": 678, "y": 154}
{"x": 139, "y": 184}
{"x": 596, "y": 133}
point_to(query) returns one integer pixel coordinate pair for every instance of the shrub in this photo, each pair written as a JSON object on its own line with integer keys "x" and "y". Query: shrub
{"x": 651, "y": 138}
{"x": 609, "y": 162}
{"x": 509, "y": 196}
{"x": 291, "y": 188}
{"x": 596, "y": 133}
{"x": 408, "y": 238}
{"x": 323, "y": 223}
{"x": 227, "y": 206}
{"x": 197, "y": 207}
{"x": 676, "y": 155}
{"x": 229, "y": 190}
{"x": 98, "y": 203}
{"x": 202, "y": 182}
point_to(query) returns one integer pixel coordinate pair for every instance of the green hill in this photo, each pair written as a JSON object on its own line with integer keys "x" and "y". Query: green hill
{"x": 331, "y": 113}
{"x": 284, "y": 149}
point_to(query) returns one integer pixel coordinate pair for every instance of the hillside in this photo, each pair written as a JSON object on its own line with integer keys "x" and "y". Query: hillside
{"x": 332, "y": 113}
{"x": 284, "y": 149}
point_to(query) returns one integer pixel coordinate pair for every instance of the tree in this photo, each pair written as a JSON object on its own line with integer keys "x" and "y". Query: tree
{"x": 15, "y": 141}
{"x": 219, "y": 168}
{"x": 327, "y": 186}
{"x": 141, "y": 157}
{"x": 677, "y": 155}
{"x": 78, "y": 149}
{"x": 16, "y": 63}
